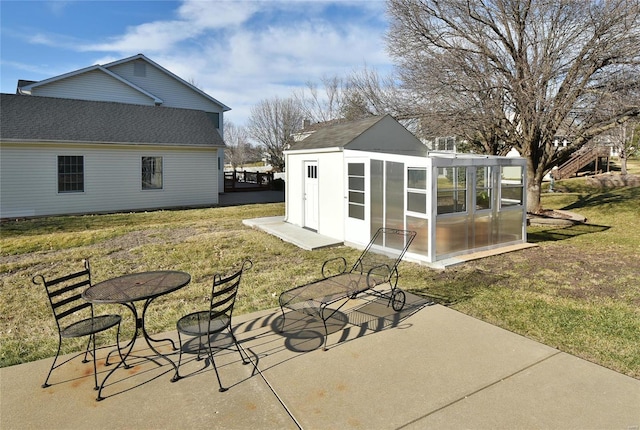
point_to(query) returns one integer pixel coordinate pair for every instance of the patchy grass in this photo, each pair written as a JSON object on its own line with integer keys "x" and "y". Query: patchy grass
{"x": 578, "y": 290}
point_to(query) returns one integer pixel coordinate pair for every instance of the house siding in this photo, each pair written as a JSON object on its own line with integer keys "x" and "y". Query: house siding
{"x": 112, "y": 179}
{"x": 94, "y": 85}
{"x": 173, "y": 93}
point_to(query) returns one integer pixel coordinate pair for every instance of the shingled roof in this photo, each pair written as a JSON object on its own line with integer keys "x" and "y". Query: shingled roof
{"x": 32, "y": 118}
{"x": 336, "y": 135}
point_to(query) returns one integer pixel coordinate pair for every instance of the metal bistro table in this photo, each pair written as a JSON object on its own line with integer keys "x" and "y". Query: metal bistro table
{"x": 128, "y": 289}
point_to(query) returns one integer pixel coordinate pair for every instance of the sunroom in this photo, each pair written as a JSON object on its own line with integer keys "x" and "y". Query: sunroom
{"x": 457, "y": 203}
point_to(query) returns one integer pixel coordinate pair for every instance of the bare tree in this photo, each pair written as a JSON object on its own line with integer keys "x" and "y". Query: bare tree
{"x": 272, "y": 124}
{"x": 239, "y": 150}
{"x": 321, "y": 104}
{"x": 516, "y": 73}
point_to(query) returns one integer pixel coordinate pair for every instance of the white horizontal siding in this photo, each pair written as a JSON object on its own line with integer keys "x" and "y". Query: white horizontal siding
{"x": 28, "y": 180}
{"x": 94, "y": 85}
{"x": 172, "y": 92}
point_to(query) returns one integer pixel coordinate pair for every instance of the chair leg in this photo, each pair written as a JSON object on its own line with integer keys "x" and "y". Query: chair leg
{"x": 222, "y": 389}
{"x": 177, "y": 375}
{"x": 53, "y": 365}
{"x": 84, "y": 360}
{"x": 95, "y": 367}
{"x": 283, "y": 319}
{"x": 238, "y": 347}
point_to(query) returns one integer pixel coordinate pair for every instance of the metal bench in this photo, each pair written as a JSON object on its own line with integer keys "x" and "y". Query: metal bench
{"x": 377, "y": 265}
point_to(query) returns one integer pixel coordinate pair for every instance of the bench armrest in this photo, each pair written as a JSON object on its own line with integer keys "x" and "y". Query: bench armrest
{"x": 339, "y": 263}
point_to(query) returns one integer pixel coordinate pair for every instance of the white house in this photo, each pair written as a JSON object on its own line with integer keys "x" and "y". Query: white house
{"x": 347, "y": 180}
{"x": 128, "y": 135}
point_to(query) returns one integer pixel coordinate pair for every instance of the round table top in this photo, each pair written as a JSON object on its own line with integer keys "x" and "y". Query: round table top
{"x": 136, "y": 286}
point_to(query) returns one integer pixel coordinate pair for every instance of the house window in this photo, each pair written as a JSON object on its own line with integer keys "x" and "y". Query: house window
{"x": 151, "y": 173}
{"x": 355, "y": 172}
{"x": 452, "y": 190}
{"x": 484, "y": 190}
{"x": 417, "y": 190}
{"x": 445, "y": 143}
{"x": 511, "y": 186}
{"x": 70, "y": 173}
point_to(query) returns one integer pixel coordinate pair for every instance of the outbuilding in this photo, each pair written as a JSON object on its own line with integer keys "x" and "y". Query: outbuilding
{"x": 347, "y": 180}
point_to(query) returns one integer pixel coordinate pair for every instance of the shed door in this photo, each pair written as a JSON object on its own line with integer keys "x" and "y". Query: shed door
{"x": 357, "y": 219}
{"x": 311, "y": 195}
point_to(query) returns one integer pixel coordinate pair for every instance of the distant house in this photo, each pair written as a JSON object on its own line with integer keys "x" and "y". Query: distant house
{"x": 348, "y": 179}
{"x": 129, "y": 135}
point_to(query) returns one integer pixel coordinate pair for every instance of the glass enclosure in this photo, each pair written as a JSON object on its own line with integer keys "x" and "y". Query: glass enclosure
{"x": 457, "y": 204}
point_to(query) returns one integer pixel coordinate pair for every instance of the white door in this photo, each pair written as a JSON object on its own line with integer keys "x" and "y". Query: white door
{"x": 357, "y": 212}
{"x": 311, "y": 195}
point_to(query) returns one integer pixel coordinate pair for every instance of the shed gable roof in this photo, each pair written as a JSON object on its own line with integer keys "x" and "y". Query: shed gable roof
{"x": 25, "y": 118}
{"x": 338, "y": 135}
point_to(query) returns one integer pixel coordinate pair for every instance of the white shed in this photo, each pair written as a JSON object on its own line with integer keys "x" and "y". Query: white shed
{"x": 347, "y": 180}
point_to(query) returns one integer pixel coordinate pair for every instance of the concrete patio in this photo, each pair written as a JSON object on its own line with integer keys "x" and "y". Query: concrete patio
{"x": 426, "y": 367}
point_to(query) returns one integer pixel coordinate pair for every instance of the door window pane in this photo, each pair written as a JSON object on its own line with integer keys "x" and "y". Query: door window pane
{"x": 356, "y": 190}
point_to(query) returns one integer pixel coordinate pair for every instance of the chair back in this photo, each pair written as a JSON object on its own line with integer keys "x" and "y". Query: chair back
{"x": 224, "y": 292}
{"x": 65, "y": 294}
{"x": 383, "y": 253}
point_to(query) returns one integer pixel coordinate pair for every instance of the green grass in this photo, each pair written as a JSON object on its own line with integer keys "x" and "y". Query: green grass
{"x": 578, "y": 290}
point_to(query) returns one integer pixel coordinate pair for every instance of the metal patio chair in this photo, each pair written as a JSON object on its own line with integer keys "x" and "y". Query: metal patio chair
{"x": 208, "y": 323}
{"x": 376, "y": 266}
{"x": 75, "y": 317}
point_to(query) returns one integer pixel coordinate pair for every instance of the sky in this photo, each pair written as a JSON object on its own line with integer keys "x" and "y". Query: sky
{"x": 239, "y": 52}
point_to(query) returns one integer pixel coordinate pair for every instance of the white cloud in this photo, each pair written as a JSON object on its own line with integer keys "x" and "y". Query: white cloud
{"x": 217, "y": 15}
{"x": 241, "y": 52}
{"x": 151, "y": 37}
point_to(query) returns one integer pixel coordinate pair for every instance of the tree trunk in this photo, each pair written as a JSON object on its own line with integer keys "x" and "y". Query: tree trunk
{"x": 623, "y": 162}
{"x": 534, "y": 186}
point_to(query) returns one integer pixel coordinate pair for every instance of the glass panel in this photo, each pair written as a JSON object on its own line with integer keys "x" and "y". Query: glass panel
{"x": 356, "y": 211}
{"x": 417, "y": 202}
{"x": 451, "y": 190}
{"x": 356, "y": 190}
{"x": 394, "y": 201}
{"x": 420, "y": 244}
{"x": 356, "y": 197}
{"x": 484, "y": 190}
{"x": 356, "y": 183}
{"x": 511, "y": 196}
{"x": 511, "y": 186}
{"x": 510, "y": 226}
{"x": 377, "y": 195}
{"x": 451, "y": 234}
{"x": 356, "y": 169}
{"x": 417, "y": 178}
{"x": 482, "y": 231}
{"x": 451, "y": 201}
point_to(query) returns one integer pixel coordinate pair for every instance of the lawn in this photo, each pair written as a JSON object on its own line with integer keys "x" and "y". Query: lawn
{"x": 578, "y": 290}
